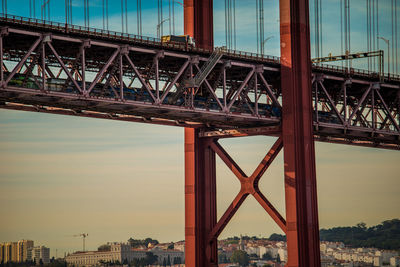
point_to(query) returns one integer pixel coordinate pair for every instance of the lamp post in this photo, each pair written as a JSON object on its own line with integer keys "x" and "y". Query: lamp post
{"x": 43, "y": 7}
{"x": 158, "y": 27}
{"x": 387, "y": 42}
{"x": 266, "y": 39}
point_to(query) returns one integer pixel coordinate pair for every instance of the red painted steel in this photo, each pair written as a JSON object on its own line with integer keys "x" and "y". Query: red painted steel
{"x": 299, "y": 158}
{"x": 200, "y": 169}
{"x": 200, "y": 200}
{"x": 198, "y": 22}
{"x": 249, "y": 186}
{"x": 203, "y": 23}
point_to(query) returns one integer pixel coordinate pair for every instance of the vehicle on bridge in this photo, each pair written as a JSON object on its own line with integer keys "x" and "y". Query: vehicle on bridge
{"x": 187, "y": 40}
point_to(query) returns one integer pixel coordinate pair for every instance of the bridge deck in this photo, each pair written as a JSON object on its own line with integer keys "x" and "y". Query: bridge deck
{"x": 90, "y": 72}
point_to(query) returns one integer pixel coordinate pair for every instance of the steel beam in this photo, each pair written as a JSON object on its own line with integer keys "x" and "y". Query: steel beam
{"x": 200, "y": 200}
{"x": 299, "y": 159}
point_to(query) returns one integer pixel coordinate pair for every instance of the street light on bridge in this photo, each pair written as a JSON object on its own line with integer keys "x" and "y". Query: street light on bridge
{"x": 159, "y": 26}
{"x": 387, "y": 42}
{"x": 266, "y": 39}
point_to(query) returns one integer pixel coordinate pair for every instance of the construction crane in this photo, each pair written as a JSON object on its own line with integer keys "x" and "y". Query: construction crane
{"x": 83, "y": 239}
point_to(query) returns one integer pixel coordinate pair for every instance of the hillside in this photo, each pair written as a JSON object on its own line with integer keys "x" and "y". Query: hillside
{"x": 383, "y": 236}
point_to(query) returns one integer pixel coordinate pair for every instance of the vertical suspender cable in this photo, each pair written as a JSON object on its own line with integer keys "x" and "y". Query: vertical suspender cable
{"x": 395, "y": 30}
{"x": 349, "y": 31}
{"x": 370, "y": 32}
{"x": 377, "y": 21}
{"x": 226, "y": 24}
{"x": 320, "y": 28}
{"x": 173, "y": 17}
{"x": 162, "y": 17}
{"x": 169, "y": 15}
{"x": 126, "y": 16}
{"x": 122, "y": 16}
{"x": 70, "y": 11}
{"x": 316, "y": 22}
{"x": 393, "y": 42}
{"x": 373, "y": 31}
{"x": 341, "y": 29}
{"x": 229, "y": 24}
{"x": 234, "y": 23}
{"x": 66, "y": 10}
{"x": 138, "y": 16}
{"x": 262, "y": 26}
{"x": 257, "y": 24}
{"x": 345, "y": 30}
{"x": 367, "y": 23}
{"x": 158, "y": 18}
{"x": 104, "y": 15}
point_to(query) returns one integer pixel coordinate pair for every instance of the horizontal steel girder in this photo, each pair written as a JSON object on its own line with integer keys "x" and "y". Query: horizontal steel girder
{"x": 46, "y": 69}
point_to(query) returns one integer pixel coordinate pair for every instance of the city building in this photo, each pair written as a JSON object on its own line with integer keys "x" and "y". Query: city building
{"x": 39, "y": 253}
{"x": 120, "y": 252}
{"x": 23, "y": 246}
{"x": 15, "y": 251}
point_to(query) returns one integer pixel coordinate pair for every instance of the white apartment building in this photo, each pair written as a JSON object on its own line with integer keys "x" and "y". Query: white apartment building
{"x": 39, "y": 253}
{"x": 119, "y": 252}
{"x": 395, "y": 261}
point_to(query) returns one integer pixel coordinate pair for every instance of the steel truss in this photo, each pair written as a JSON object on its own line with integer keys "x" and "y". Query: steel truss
{"x": 202, "y": 227}
{"x": 106, "y": 78}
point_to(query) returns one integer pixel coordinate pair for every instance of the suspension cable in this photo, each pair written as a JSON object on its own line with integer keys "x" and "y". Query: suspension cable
{"x": 139, "y": 16}
{"x": 234, "y": 24}
{"x": 122, "y": 16}
{"x": 341, "y": 29}
{"x": 257, "y": 25}
{"x": 170, "y": 19}
{"x": 126, "y": 16}
{"x": 173, "y": 17}
{"x": 396, "y": 33}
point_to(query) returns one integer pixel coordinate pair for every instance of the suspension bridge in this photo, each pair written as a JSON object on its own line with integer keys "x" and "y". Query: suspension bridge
{"x": 64, "y": 68}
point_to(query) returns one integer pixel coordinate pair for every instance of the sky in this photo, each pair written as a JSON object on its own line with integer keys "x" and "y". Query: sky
{"x": 61, "y": 176}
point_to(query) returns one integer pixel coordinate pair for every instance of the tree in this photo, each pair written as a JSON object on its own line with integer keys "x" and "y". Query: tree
{"x": 222, "y": 258}
{"x": 104, "y": 247}
{"x": 169, "y": 261}
{"x": 267, "y": 256}
{"x": 278, "y": 259}
{"x": 277, "y": 237}
{"x": 150, "y": 258}
{"x": 240, "y": 257}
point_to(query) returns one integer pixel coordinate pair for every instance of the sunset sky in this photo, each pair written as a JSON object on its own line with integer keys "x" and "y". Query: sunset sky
{"x": 61, "y": 176}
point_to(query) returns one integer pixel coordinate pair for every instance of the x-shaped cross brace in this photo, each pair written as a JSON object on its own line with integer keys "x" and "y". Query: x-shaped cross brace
{"x": 249, "y": 185}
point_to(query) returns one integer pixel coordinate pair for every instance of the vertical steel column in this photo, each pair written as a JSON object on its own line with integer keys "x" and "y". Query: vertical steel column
{"x": 200, "y": 171}
{"x": 299, "y": 158}
{"x": 203, "y": 23}
{"x": 200, "y": 201}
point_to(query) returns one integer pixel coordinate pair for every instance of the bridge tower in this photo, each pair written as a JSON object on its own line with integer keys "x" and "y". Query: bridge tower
{"x": 301, "y": 224}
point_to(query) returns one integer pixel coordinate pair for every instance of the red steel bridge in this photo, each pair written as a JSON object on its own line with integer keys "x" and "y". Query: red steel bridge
{"x": 213, "y": 93}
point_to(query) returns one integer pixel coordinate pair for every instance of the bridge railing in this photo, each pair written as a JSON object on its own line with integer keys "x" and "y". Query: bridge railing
{"x": 63, "y": 27}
